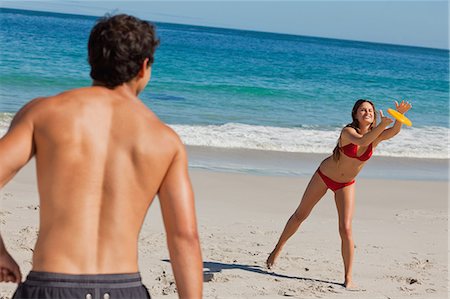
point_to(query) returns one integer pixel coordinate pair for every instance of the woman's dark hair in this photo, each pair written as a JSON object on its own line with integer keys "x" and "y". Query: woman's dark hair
{"x": 118, "y": 45}
{"x": 355, "y": 124}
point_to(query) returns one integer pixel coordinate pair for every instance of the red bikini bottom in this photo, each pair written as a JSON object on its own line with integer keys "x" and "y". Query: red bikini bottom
{"x": 333, "y": 185}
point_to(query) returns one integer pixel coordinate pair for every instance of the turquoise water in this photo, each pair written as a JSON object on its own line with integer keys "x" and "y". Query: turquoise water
{"x": 242, "y": 89}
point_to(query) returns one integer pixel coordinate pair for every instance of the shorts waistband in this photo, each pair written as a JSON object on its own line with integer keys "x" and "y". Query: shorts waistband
{"x": 122, "y": 280}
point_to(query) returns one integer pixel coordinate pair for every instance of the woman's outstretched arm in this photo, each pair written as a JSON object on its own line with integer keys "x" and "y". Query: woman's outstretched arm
{"x": 352, "y": 136}
{"x": 403, "y": 107}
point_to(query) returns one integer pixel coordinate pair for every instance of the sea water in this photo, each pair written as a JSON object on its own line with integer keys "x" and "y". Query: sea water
{"x": 242, "y": 89}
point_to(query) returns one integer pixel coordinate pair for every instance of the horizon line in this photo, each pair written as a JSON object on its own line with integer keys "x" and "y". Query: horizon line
{"x": 225, "y": 28}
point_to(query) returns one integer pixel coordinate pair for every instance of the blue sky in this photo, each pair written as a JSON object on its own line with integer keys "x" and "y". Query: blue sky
{"x": 415, "y": 23}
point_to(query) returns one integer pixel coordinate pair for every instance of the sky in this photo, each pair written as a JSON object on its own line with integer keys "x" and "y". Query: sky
{"x": 413, "y": 23}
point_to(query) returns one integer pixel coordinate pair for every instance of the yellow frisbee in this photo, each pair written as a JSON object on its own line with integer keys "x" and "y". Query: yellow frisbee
{"x": 400, "y": 117}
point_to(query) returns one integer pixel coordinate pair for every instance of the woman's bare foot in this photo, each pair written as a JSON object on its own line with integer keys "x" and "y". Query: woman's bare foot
{"x": 353, "y": 288}
{"x": 271, "y": 259}
{"x": 349, "y": 285}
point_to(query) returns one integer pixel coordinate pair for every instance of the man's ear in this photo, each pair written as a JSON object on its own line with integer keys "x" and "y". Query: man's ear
{"x": 144, "y": 68}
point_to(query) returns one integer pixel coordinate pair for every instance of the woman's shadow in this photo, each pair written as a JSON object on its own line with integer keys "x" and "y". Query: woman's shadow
{"x": 216, "y": 267}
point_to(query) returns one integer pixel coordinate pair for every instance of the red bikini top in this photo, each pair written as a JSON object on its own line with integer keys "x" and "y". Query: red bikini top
{"x": 351, "y": 150}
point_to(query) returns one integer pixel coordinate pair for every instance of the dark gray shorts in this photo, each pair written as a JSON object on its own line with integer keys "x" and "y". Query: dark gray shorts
{"x": 46, "y": 285}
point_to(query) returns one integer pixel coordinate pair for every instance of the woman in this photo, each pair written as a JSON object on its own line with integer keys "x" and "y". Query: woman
{"x": 338, "y": 171}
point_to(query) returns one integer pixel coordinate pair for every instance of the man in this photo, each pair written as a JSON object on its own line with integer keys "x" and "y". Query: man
{"x": 101, "y": 157}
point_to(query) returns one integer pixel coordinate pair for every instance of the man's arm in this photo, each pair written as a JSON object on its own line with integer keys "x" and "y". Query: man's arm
{"x": 9, "y": 270}
{"x": 178, "y": 211}
{"x": 17, "y": 146}
{"x": 16, "y": 149}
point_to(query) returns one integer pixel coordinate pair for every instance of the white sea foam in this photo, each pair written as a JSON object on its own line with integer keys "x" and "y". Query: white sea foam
{"x": 426, "y": 142}
{"x": 234, "y": 135}
{"x": 5, "y": 120}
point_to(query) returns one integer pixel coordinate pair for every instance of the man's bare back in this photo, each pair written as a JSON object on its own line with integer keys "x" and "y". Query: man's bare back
{"x": 101, "y": 158}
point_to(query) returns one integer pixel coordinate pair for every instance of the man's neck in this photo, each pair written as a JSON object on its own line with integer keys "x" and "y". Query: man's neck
{"x": 127, "y": 89}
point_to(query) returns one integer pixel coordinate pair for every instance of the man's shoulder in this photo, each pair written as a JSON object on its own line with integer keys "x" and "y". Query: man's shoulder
{"x": 30, "y": 108}
{"x": 41, "y": 102}
{"x": 152, "y": 129}
{"x": 169, "y": 136}
{"x": 38, "y": 107}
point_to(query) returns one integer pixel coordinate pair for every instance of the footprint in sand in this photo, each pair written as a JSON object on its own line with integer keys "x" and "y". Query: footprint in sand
{"x": 419, "y": 264}
{"x": 7, "y": 195}
{"x": 167, "y": 286}
{"x": 220, "y": 278}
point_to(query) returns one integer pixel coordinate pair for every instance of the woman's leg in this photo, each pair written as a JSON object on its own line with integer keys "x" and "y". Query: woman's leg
{"x": 315, "y": 190}
{"x": 345, "y": 203}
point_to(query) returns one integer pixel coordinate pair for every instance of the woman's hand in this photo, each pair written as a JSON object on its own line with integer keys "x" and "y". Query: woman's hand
{"x": 384, "y": 121}
{"x": 403, "y": 107}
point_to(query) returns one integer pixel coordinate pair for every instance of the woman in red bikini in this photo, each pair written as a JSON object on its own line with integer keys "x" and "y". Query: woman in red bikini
{"x": 338, "y": 171}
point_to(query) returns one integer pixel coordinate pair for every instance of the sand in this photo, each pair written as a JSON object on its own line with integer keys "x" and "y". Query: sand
{"x": 400, "y": 230}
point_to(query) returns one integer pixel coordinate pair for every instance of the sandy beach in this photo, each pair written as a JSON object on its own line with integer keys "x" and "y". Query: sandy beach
{"x": 400, "y": 230}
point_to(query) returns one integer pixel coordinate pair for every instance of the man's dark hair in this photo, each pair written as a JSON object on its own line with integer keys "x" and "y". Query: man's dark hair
{"x": 118, "y": 45}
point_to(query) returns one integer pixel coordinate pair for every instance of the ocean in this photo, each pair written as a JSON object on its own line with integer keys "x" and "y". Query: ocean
{"x": 242, "y": 89}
